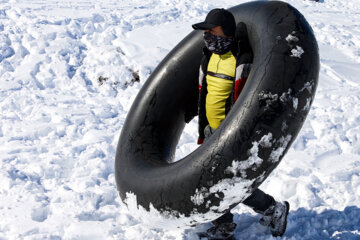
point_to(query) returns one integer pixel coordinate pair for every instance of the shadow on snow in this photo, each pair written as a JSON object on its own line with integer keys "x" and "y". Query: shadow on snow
{"x": 305, "y": 224}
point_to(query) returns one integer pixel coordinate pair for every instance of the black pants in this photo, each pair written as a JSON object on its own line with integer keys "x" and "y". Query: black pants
{"x": 258, "y": 200}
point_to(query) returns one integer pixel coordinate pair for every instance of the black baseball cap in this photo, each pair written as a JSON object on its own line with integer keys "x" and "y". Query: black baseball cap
{"x": 218, "y": 17}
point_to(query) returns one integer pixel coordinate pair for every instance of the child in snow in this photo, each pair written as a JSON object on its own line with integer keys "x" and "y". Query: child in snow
{"x": 223, "y": 73}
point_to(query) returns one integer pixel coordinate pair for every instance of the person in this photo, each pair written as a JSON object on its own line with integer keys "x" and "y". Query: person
{"x": 223, "y": 73}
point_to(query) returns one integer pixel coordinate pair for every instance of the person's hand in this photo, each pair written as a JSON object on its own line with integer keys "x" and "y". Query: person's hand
{"x": 200, "y": 141}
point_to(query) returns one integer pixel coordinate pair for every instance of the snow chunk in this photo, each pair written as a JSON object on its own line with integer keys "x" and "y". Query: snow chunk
{"x": 6, "y": 52}
{"x": 277, "y": 153}
{"x": 286, "y": 96}
{"x": 308, "y": 86}
{"x": 40, "y": 214}
{"x": 269, "y": 96}
{"x": 167, "y": 219}
{"x": 235, "y": 190}
{"x": 292, "y": 38}
{"x": 265, "y": 141}
{"x": 199, "y": 196}
{"x": 308, "y": 104}
{"x": 295, "y": 103}
{"x": 297, "y": 52}
{"x": 254, "y": 160}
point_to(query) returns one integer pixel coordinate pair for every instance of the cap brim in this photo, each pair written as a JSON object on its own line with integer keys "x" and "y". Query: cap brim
{"x": 203, "y": 26}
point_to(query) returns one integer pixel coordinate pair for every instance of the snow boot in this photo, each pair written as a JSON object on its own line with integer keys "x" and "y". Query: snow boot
{"x": 223, "y": 231}
{"x": 275, "y": 217}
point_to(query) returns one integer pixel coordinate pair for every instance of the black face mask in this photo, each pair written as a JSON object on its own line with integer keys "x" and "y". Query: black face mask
{"x": 216, "y": 44}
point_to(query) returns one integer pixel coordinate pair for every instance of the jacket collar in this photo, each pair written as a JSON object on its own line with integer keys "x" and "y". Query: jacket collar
{"x": 233, "y": 49}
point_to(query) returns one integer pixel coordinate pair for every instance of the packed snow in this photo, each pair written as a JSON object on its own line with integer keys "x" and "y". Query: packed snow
{"x": 69, "y": 72}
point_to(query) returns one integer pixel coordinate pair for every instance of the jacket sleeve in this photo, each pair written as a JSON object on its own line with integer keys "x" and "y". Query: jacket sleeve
{"x": 242, "y": 73}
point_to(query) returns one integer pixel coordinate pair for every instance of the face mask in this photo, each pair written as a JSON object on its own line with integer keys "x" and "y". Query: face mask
{"x": 216, "y": 44}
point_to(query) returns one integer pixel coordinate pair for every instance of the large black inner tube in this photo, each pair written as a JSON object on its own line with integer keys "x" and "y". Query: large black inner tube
{"x": 249, "y": 143}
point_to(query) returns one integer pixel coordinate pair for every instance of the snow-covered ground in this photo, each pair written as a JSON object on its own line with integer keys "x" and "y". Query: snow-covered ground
{"x": 67, "y": 80}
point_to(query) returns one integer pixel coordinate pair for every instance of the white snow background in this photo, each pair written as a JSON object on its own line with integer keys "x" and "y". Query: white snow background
{"x": 66, "y": 86}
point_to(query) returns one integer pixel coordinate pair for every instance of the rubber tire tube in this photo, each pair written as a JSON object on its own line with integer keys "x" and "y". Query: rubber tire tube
{"x": 249, "y": 143}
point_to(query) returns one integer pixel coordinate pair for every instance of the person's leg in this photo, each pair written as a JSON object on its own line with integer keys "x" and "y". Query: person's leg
{"x": 274, "y": 213}
{"x": 224, "y": 227}
{"x": 226, "y": 218}
{"x": 259, "y": 201}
